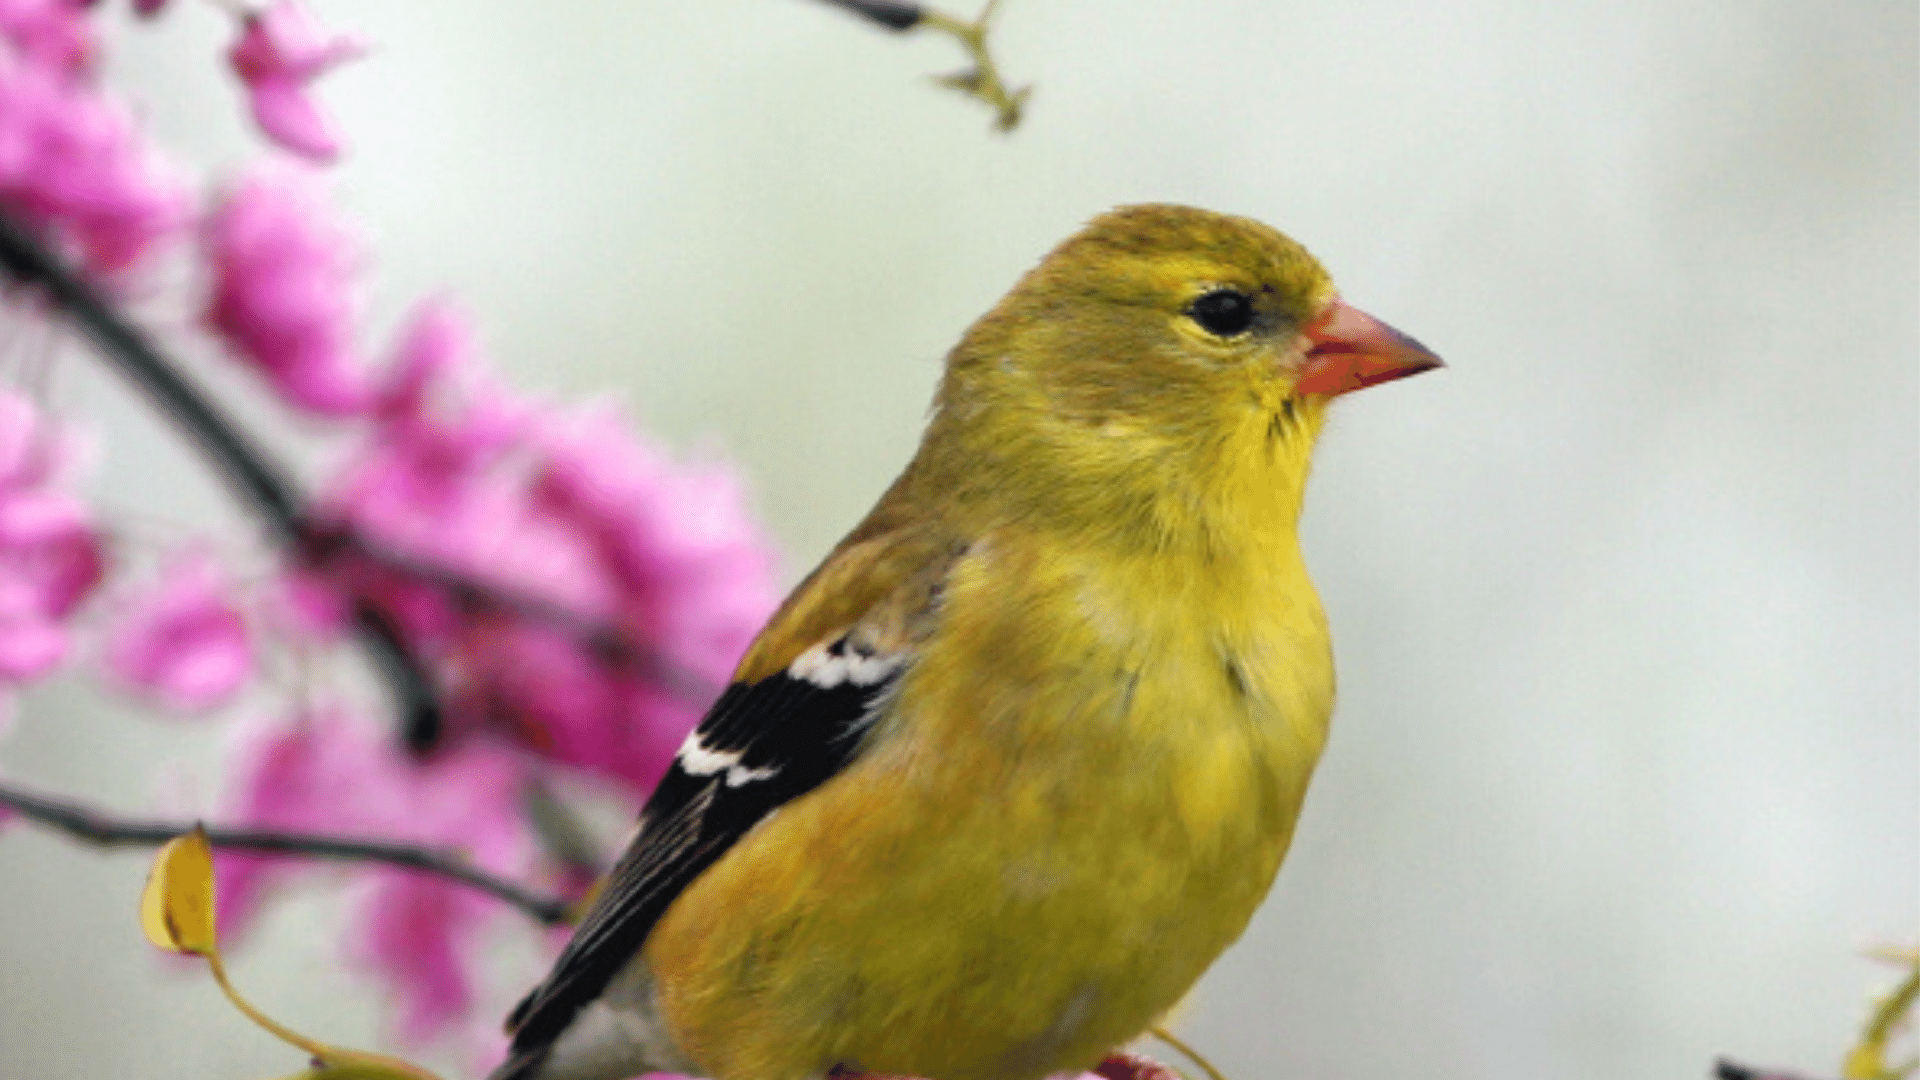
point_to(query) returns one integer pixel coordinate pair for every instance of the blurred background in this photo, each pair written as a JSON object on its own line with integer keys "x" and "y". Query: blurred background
{"x": 1626, "y": 601}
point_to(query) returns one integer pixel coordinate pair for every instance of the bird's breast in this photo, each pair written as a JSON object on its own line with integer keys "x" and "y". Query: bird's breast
{"x": 1207, "y": 687}
{"x": 1085, "y": 784}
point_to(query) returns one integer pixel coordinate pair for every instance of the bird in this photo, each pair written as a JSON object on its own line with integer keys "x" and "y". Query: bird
{"x": 1020, "y": 758}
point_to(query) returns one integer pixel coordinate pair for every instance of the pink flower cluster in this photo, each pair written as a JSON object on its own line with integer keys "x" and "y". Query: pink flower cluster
{"x": 280, "y": 51}
{"x": 73, "y": 168}
{"x": 574, "y": 593}
{"x": 183, "y": 641}
{"x": 563, "y": 509}
{"x": 53, "y": 34}
{"x": 285, "y": 291}
{"x": 324, "y": 772}
{"x": 50, "y": 556}
{"x": 561, "y": 528}
{"x": 566, "y": 508}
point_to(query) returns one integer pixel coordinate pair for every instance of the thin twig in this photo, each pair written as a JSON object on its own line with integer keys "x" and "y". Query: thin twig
{"x": 234, "y": 454}
{"x": 336, "y": 547}
{"x": 103, "y": 830}
{"x": 1724, "y": 1069}
{"x": 1192, "y": 1055}
{"x": 1868, "y": 1060}
{"x": 240, "y": 458}
{"x": 982, "y": 81}
{"x": 892, "y": 14}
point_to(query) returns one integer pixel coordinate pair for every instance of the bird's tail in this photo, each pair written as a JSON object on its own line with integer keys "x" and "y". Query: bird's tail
{"x": 522, "y": 1064}
{"x": 597, "y": 1043}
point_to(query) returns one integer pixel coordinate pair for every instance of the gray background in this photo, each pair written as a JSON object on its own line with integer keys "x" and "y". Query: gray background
{"x": 1625, "y": 769}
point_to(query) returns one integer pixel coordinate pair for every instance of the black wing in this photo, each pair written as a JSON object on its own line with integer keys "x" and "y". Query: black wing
{"x": 761, "y": 745}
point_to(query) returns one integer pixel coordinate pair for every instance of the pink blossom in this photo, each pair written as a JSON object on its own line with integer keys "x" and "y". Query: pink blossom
{"x": 299, "y": 776}
{"x": 147, "y": 9}
{"x": 279, "y": 52}
{"x": 418, "y": 935}
{"x": 443, "y": 477}
{"x": 691, "y": 567}
{"x": 431, "y": 366}
{"x": 563, "y": 702}
{"x": 566, "y": 512}
{"x": 307, "y": 607}
{"x": 183, "y": 641}
{"x": 50, "y": 557}
{"x": 75, "y": 171}
{"x": 569, "y": 510}
{"x": 421, "y": 935}
{"x": 285, "y": 289}
{"x": 49, "y": 33}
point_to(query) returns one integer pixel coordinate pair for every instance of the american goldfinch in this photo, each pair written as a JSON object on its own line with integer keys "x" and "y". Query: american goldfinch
{"x": 1009, "y": 770}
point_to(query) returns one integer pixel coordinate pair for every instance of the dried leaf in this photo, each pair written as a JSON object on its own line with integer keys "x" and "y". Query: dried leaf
{"x": 176, "y": 910}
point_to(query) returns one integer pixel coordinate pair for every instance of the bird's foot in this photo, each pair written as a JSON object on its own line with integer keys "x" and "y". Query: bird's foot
{"x": 1134, "y": 1067}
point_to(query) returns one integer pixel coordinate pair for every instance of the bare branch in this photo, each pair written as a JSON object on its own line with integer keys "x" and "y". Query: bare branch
{"x": 335, "y": 546}
{"x": 234, "y": 454}
{"x": 1730, "y": 1070}
{"x": 240, "y": 458}
{"x": 103, "y": 830}
{"x": 982, "y": 81}
{"x": 891, "y": 14}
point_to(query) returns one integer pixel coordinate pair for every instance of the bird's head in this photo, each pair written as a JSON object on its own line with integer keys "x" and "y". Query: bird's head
{"x": 1167, "y": 342}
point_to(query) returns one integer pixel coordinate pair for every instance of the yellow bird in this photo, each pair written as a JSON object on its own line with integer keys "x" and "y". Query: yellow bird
{"x": 1009, "y": 770}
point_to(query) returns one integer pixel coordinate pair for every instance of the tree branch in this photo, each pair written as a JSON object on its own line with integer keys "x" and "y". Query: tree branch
{"x": 331, "y": 545}
{"x": 263, "y": 485}
{"x": 234, "y": 454}
{"x": 982, "y": 81}
{"x": 102, "y": 830}
{"x": 1724, "y": 1069}
{"x": 892, "y": 14}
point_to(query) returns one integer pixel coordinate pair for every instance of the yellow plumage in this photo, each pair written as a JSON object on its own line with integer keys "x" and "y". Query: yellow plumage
{"x": 1115, "y": 681}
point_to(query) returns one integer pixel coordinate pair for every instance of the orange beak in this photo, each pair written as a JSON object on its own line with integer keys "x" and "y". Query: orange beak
{"x": 1352, "y": 349}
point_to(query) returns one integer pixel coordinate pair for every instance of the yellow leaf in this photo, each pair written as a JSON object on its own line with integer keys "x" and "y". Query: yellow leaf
{"x": 1863, "y": 1063}
{"x": 176, "y": 910}
{"x": 1868, "y": 1060}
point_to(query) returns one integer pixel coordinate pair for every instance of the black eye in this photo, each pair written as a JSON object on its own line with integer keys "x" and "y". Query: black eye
{"x": 1224, "y": 312}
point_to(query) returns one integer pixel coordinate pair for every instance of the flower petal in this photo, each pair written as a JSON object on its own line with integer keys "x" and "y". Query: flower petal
{"x": 279, "y": 52}
{"x": 183, "y": 641}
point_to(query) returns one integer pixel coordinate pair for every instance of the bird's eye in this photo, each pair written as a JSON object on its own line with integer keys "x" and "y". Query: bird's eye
{"x": 1223, "y": 312}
